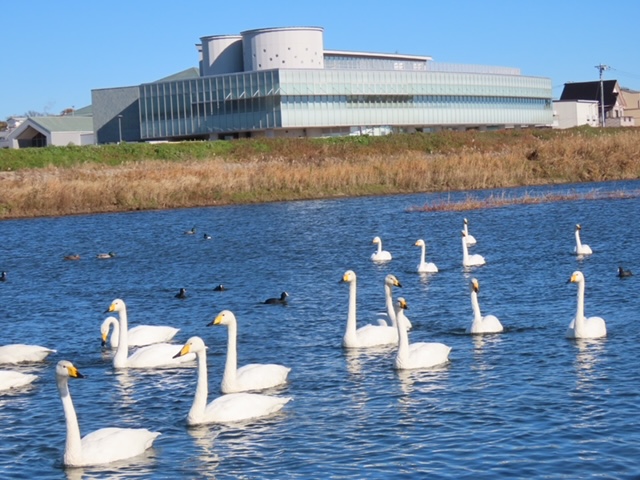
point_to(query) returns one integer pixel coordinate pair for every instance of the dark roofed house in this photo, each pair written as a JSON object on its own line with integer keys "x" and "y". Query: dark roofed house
{"x": 614, "y": 103}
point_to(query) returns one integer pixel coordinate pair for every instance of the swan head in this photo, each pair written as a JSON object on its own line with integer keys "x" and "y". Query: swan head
{"x": 578, "y": 227}
{"x": 475, "y": 285}
{"x": 116, "y": 306}
{"x": 419, "y": 243}
{"x": 349, "y": 276}
{"x": 225, "y": 317}
{"x": 376, "y": 240}
{"x": 576, "y": 277}
{"x": 464, "y": 234}
{"x": 104, "y": 328}
{"x": 392, "y": 281}
{"x": 66, "y": 369}
{"x": 193, "y": 345}
{"x": 466, "y": 222}
{"x": 402, "y": 303}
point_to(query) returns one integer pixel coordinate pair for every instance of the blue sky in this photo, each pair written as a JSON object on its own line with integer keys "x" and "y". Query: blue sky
{"x": 55, "y": 53}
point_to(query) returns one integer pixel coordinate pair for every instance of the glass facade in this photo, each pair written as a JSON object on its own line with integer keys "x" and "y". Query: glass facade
{"x": 300, "y": 98}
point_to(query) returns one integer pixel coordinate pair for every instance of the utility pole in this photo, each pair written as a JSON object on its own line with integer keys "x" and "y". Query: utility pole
{"x": 602, "y": 68}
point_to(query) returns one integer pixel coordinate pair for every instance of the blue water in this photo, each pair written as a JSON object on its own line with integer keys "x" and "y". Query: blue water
{"x": 526, "y": 403}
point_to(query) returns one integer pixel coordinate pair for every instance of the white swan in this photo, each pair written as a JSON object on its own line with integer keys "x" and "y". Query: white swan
{"x": 474, "y": 260}
{"x": 101, "y": 446}
{"x": 234, "y": 407}
{"x": 470, "y": 239}
{"x": 391, "y": 281}
{"x": 368, "y": 335}
{"x": 380, "y": 255}
{"x": 20, "y": 353}
{"x": 420, "y": 354}
{"x": 10, "y": 379}
{"x": 424, "y": 266}
{"x": 580, "y": 326}
{"x": 151, "y": 356}
{"x": 480, "y": 324}
{"x": 254, "y": 376}
{"x": 138, "y": 336}
{"x": 581, "y": 248}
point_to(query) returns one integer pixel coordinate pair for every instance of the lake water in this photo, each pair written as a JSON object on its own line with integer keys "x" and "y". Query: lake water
{"x": 522, "y": 404}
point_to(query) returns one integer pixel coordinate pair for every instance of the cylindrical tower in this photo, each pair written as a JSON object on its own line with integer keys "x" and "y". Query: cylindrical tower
{"x": 221, "y": 54}
{"x": 287, "y": 47}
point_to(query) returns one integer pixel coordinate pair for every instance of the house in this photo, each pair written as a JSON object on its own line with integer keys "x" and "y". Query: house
{"x": 574, "y": 113}
{"x": 613, "y": 105}
{"x": 632, "y": 102}
{"x": 65, "y": 130}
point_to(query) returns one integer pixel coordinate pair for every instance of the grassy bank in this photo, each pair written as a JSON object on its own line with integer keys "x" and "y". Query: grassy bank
{"x": 71, "y": 180}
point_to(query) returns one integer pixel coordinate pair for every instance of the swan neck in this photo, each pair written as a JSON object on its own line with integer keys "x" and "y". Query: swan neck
{"x": 388, "y": 298}
{"x": 476, "y": 306}
{"x": 580, "y": 305}
{"x": 73, "y": 444}
{"x": 465, "y": 251}
{"x": 202, "y": 389}
{"x": 116, "y": 331}
{"x": 422, "y": 254}
{"x": 231, "y": 363}
{"x": 351, "y": 315}
{"x": 578, "y": 242}
{"x": 122, "y": 352}
{"x": 403, "y": 339}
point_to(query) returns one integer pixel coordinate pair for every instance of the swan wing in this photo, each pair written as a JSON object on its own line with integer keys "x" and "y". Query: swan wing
{"x": 142, "y": 335}
{"x": 428, "y": 354}
{"x": 111, "y": 444}
{"x": 10, "y": 379}
{"x": 486, "y": 324}
{"x": 158, "y": 355}
{"x": 237, "y": 407}
{"x": 19, "y": 353}
{"x": 258, "y": 376}
{"x": 375, "y": 335}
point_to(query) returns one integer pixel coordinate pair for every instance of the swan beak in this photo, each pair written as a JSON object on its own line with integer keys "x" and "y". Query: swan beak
{"x": 217, "y": 320}
{"x": 183, "y": 351}
{"x": 396, "y": 283}
{"x": 104, "y": 339}
{"x": 476, "y": 285}
{"x": 74, "y": 373}
{"x": 112, "y": 308}
{"x": 403, "y": 304}
{"x": 573, "y": 279}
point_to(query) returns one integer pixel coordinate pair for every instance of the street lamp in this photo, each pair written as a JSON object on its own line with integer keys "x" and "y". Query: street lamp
{"x": 120, "y": 129}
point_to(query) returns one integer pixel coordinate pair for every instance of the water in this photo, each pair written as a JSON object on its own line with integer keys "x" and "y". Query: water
{"x": 525, "y": 403}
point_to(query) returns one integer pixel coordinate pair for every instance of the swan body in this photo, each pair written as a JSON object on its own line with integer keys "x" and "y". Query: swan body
{"x": 581, "y": 248}
{"x": 474, "y": 260}
{"x": 580, "y": 326}
{"x": 233, "y": 407}
{"x": 139, "y": 335}
{"x": 20, "y": 353}
{"x": 480, "y": 324}
{"x": 101, "y": 446}
{"x": 470, "y": 239}
{"x": 424, "y": 266}
{"x": 380, "y": 255}
{"x": 369, "y": 335}
{"x": 151, "y": 356}
{"x": 416, "y": 355}
{"x": 254, "y": 376}
{"x": 10, "y": 379}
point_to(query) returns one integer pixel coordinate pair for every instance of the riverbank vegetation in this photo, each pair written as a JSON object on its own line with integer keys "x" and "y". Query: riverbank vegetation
{"x": 72, "y": 180}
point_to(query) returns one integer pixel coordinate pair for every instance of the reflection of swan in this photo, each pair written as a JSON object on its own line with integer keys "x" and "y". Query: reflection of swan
{"x": 581, "y": 248}
{"x": 369, "y": 335}
{"x": 423, "y": 266}
{"x": 19, "y": 353}
{"x": 10, "y": 379}
{"x": 234, "y": 407}
{"x": 156, "y": 355}
{"x": 391, "y": 281}
{"x": 101, "y": 446}
{"x": 468, "y": 238}
{"x": 580, "y": 326}
{"x": 470, "y": 260}
{"x": 138, "y": 336}
{"x": 480, "y": 324}
{"x": 420, "y": 354}
{"x": 254, "y": 376}
{"x": 380, "y": 255}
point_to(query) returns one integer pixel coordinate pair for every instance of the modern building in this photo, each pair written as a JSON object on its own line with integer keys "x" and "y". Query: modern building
{"x": 282, "y": 82}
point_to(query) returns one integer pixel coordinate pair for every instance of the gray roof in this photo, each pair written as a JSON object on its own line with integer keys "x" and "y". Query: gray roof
{"x": 183, "y": 75}
{"x": 67, "y": 123}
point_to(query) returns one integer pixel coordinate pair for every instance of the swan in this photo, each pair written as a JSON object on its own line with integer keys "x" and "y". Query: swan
{"x": 423, "y": 266}
{"x": 391, "y": 281}
{"x": 254, "y": 376}
{"x": 138, "y": 336}
{"x": 581, "y": 248}
{"x": 101, "y": 446}
{"x": 369, "y": 335}
{"x": 282, "y": 300}
{"x": 580, "y": 326}
{"x": 474, "y": 260}
{"x": 470, "y": 239}
{"x": 10, "y": 379}
{"x": 233, "y": 407}
{"x": 380, "y": 255}
{"x": 20, "y": 353}
{"x": 416, "y": 355}
{"x": 480, "y": 324}
{"x": 151, "y": 356}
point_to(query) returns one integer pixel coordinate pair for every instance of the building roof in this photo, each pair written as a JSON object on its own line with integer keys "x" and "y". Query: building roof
{"x": 591, "y": 91}
{"x": 67, "y": 123}
{"x": 183, "y": 75}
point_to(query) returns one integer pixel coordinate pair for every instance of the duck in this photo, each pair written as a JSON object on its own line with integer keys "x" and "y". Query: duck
{"x": 219, "y": 288}
{"x": 10, "y": 379}
{"x": 416, "y": 355}
{"x": 470, "y": 239}
{"x": 151, "y": 356}
{"x": 474, "y": 260}
{"x": 105, "y": 256}
{"x": 73, "y": 256}
{"x": 206, "y": 236}
{"x": 581, "y": 326}
{"x": 101, "y": 446}
{"x": 282, "y": 300}
{"x": 480, "y": 324}
{"x": 581, "y": 248}
{"x": 380, "y": 255}
{"x": 21, "y": 353}
{"x": 228, "y": 408}
{"x": 3, "y": 277}
{"x": 191, "y": 232}
{"x": 368, "y": 335}
{"x": 622, "y": 273}
{"x": 424, "y": 266}
{"x": 254, "y": 376}
{"x": 182, "y": 293}
{"x": 138, "y": 336}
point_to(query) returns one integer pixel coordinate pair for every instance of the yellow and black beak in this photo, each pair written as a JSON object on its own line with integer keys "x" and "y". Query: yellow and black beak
{"x": 403, "y": 304}
{"x": 74, "y": 373}
{"x": 476, "y": 285}
{"x": 183, "y": 351}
